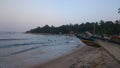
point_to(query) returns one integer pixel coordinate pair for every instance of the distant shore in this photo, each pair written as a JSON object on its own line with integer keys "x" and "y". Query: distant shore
{"x": 85, "y": 57}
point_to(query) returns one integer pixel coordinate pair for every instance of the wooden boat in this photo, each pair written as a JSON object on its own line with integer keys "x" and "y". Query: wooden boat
{"x": 91, "y": 43}
{"x": 115, "y": 39}
{"x": 88, "y": 41}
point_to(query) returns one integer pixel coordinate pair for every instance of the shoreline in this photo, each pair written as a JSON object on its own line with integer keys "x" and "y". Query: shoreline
{"x": 85, "y": 57}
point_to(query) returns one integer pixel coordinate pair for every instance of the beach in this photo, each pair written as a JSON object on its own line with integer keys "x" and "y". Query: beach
{"x": 19, "y": 50}
{"x": 85, "y": 57}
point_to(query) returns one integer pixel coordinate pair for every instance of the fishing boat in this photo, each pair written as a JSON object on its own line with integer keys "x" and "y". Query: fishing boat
{"x": 88, "y": 41}
{"x": 115, "y": 39}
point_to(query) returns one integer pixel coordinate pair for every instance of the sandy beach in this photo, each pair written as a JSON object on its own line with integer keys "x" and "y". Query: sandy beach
{"x": 85, "y": 57}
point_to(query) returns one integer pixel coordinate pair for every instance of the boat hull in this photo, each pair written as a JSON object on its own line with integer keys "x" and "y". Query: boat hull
{"x": 88, "y": 41}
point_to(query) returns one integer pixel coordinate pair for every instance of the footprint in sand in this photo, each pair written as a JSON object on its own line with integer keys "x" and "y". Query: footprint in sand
{"x": 73, "y": 66}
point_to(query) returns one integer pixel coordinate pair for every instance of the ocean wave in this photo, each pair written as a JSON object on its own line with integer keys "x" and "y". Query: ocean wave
{"x": 14, "y": 53}
{"x": 11, "y": 39}
{"x": 23, "y": 44}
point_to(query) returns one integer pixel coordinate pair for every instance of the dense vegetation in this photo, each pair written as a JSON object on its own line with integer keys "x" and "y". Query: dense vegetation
{"x": 108, "y": 27}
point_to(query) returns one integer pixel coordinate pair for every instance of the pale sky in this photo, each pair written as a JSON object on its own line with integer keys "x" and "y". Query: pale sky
{"x": 22, "y": 15}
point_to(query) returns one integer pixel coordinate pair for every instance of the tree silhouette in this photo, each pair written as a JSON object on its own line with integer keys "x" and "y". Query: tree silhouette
{"x": 102, "y": 27}
{"x": 119, "y": 10}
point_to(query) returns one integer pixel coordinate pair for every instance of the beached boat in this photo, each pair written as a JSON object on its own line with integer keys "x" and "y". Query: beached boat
{"x": 88, "y": 41}
{"x": 115, "y": 39}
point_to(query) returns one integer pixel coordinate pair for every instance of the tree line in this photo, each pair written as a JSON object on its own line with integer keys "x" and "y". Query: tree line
{"x": 102, "y": 27}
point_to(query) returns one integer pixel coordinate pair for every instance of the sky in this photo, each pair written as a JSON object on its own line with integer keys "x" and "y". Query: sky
{"x": 23, "y": 15}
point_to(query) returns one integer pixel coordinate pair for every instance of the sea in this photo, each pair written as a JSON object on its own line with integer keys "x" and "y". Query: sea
{"x": 21, "y": 50}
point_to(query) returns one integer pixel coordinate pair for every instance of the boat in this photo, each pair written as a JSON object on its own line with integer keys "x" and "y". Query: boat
{"x": 88, "y": 41}
{"x": 115, "y": 39}
{"x": 89, "y": 38}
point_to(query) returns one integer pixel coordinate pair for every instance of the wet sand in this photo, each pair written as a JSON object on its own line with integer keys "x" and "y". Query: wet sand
{"x": 85, "y": 57}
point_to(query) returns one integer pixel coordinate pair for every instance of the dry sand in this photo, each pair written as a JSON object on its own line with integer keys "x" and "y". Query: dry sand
{"x": 85, "y": 57}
